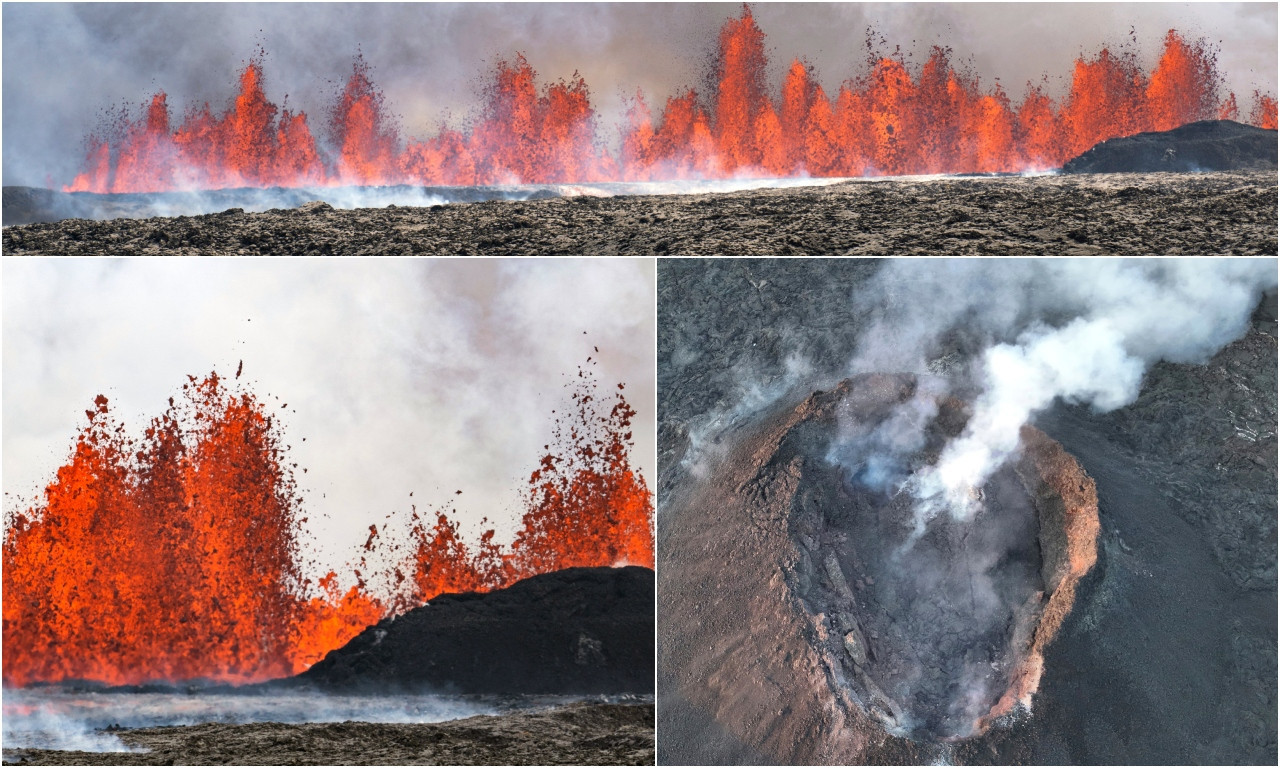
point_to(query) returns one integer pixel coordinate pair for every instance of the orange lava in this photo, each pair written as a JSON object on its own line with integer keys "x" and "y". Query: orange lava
{"x": 585, "y": 505}
{"x": 170, "y": 557}
{"x": 177, "y": 556}
{"x": 1264, "y": 111}
{"x": 890, "y": 121}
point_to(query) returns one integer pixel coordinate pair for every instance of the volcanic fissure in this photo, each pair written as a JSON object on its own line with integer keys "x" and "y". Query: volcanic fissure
{"x": 890, "y": 120}
{"x": 180, "y": 554}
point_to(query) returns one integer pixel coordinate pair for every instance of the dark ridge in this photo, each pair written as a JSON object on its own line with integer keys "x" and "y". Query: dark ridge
{"x": 1209, "y": 145}
{"x": 576, "y": 631}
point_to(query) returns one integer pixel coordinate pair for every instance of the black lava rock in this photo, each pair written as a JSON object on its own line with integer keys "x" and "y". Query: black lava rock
{"x": 576, "y": 631}
{"x": 1209, "y": 145}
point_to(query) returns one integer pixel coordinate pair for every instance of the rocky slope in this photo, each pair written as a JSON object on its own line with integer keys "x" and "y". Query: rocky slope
{"x": 1210, "y": 145}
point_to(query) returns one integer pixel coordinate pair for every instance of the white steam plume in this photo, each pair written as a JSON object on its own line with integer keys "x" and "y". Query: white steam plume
{"x": 1081, "y": 331}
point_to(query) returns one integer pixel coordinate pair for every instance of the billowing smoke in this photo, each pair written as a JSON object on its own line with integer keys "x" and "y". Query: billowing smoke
{"x": 65, "y": 63}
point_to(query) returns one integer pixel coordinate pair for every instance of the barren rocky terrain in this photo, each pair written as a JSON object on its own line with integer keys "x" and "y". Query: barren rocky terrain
{"x": 584, "y": 734}
{"x": 1093, "y": 214}
{"x": 1169, "y": 653}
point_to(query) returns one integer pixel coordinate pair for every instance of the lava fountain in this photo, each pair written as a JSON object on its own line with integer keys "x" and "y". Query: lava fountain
{"x": 891, "y": 120}
{"x": 178, "y": 555}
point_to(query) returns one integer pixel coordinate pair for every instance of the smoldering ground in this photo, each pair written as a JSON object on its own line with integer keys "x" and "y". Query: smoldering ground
{"x": 1185, "y": 476}
{"x": 513, "y": 733}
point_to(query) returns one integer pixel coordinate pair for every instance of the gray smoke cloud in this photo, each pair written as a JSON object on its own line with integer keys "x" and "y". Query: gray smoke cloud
{"x": 65, "y": 63}
{"x": 402, "y": 375}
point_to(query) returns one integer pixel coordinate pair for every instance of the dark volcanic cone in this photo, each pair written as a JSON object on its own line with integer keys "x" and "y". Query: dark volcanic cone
{"x": 576, "y": 631}
{"x": 1209, "y": 145}
{"x": 808, "y": 618}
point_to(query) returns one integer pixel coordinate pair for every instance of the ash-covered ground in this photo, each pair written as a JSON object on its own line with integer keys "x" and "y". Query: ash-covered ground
{"x": 1094, "y": 214}
{"x": 578, "y": 734}
{"x": 1169, "y": 654}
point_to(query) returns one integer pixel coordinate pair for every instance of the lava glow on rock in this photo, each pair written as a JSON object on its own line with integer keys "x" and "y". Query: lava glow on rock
{"x": 177, "y": 556}
{"x": 889, "y": 121}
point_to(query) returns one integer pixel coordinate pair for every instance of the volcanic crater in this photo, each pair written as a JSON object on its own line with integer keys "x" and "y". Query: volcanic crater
{"x": 865, "y": 633}
{"x": 935, "y": 630}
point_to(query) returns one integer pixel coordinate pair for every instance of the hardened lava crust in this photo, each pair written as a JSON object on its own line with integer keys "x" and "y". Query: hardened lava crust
{"x": 1092, "y": 214}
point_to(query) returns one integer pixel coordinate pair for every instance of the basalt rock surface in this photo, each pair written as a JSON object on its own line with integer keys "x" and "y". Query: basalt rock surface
{"x": 580, "y": 734}
{"x": 576, "y": 631}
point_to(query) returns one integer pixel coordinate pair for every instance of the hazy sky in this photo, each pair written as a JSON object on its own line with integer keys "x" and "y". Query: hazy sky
{"x": 427, "y": 376}
{"x": 63, "y": 64}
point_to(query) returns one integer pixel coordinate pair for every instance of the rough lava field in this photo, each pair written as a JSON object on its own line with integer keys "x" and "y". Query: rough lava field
{"x": 1168, "y": 655}
{"x": 1228, "y": 213}
{"x": 580, "y": 734}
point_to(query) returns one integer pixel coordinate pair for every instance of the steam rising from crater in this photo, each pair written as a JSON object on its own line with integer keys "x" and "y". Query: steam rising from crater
{"x": 1038, "y": 331}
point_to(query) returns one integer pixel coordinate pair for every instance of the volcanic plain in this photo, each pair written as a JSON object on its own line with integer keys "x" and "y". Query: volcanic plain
{"x": 1168, "y": 653}
{"x": 1165, "y": 213}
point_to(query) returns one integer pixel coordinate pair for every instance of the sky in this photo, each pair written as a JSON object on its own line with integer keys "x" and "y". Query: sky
{"x": 423, "y": 376}
{"x": 65, "y": 64}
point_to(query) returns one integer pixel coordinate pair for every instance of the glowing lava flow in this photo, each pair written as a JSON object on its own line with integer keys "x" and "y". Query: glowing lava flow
{"x": 176, "y": 556}
{"x": 887, "y": 122}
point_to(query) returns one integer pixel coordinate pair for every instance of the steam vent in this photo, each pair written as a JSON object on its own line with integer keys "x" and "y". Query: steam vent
{"x": 872, "y": 628}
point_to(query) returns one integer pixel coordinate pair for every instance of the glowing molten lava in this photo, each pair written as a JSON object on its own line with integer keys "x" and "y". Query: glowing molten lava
{"x": 890, "y": 121}
{"x": 170, "y": 557}
{"x": 176, "y": 556}
{"x": 585, "y": 506}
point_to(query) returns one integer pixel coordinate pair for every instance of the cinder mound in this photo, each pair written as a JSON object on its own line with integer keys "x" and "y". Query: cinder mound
{"x": 801, "y": 616}
{"x": 576, "y": 631}
{"x": 1209, "y": 145}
